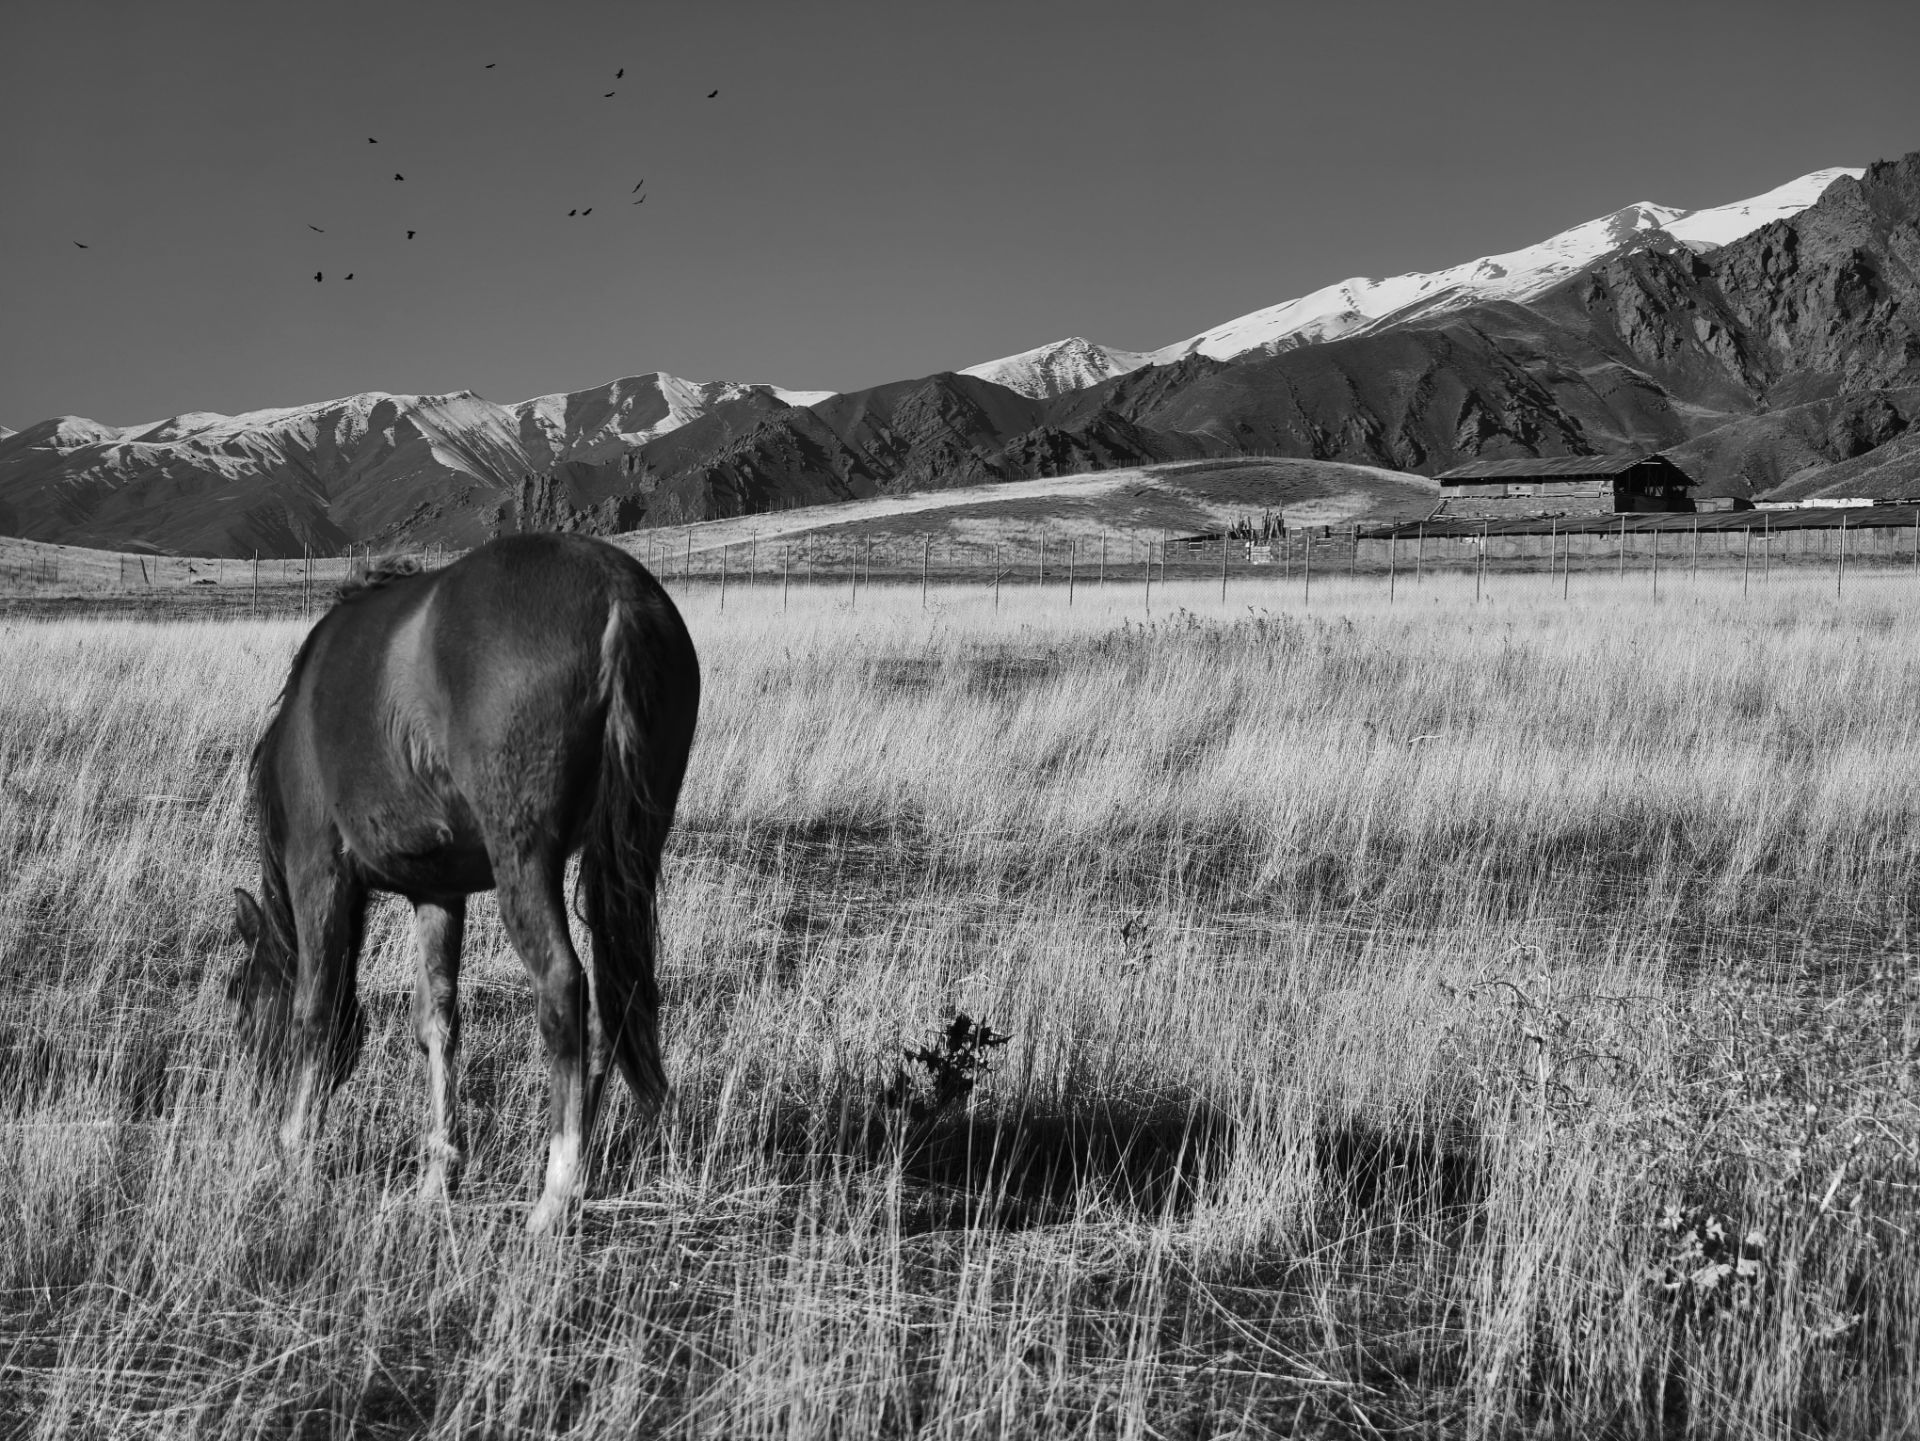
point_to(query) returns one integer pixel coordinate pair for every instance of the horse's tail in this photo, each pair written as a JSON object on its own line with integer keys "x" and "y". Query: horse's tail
{"x": 651, "y": 683}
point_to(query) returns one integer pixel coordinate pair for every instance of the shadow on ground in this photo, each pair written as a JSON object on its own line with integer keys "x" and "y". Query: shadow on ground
{"x": 1018, "y": 1168}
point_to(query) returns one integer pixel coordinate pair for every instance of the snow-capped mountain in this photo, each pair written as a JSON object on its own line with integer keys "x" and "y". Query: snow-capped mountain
{"x": 402, "y": 470}
{"x": 607, "y": 419}
{"x": 1070, "y": 364}
{"x": 1361, "y": 305}
{"x": 326, "y": 473}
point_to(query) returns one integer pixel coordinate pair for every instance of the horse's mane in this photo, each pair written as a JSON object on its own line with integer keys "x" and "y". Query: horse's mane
{"x": 269, "y": 811}
{"x": 381, "y": 574}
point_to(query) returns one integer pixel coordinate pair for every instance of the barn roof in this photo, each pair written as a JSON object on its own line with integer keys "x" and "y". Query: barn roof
{"x": 1562, "y": 467}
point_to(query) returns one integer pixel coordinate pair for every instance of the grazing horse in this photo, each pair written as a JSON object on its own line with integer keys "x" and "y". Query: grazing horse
{"x": 445, "y": 732}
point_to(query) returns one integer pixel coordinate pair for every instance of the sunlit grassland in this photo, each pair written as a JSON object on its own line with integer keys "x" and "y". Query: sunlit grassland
{"x": 1403, "y": 1001}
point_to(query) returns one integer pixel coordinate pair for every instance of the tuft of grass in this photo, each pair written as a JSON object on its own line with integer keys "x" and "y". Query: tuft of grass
{"x": 1431, "y": 1019}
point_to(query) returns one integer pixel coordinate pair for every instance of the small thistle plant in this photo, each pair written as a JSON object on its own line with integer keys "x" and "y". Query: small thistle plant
{"x": 936, "y": 1076}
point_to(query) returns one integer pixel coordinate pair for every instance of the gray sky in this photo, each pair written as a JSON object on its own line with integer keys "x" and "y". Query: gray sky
{"x": 880, "y": 190}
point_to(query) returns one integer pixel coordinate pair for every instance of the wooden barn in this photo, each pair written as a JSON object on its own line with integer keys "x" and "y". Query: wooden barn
{"x": 1564, "y": 485}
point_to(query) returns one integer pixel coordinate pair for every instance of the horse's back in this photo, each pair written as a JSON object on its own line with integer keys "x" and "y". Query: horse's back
{"x": 458, "y": 710}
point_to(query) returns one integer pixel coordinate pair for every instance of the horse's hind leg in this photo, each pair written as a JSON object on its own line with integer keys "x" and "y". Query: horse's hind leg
{"x": 437, "y": 928}
{"x": 534, "y": 911}
{"x": 329, "y": 907}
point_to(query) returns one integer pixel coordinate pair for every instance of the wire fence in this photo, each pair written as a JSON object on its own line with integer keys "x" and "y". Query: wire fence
{"x": 690, "y": 556}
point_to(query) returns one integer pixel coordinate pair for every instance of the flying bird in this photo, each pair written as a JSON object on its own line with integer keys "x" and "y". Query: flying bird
{"x": 83, "y": 247}
{"x": 641, "y": 201}
{"x": 316, "y": 229}
{"x": 610, "y": 94}
{"x": 712, "y": 93}
{"x": 573, "y": 212}
{"x": 316, "y": 275}
{"x": 636, "y": 189}
{"x": 349, "y": 275}
{"x": 410, "y": 235}
{"x": 587, "y": 211}
{"x": 398, "y": 176}
{"x": 490, "y": 64}
{"x": 620, "y": 73}
{"x": 372, "y": 141}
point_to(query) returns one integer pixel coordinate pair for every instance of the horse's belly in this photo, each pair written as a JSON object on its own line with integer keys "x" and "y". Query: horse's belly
{"x": 418, "y": 855}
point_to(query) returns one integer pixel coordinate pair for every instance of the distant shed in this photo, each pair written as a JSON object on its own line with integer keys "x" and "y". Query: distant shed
{"x": 1564, "y": 485}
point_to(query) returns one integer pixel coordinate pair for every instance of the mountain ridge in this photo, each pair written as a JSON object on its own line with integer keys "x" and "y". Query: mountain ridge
{"x": 1661, "y": 343}
{"x": 1360, "y": 304}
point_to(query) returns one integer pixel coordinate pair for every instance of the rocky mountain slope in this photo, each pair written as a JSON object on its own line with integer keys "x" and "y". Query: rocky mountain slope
{"x": 365, "y": 468}
{"x": 1360, "y": 306}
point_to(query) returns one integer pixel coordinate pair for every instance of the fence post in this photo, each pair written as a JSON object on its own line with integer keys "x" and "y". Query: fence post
{"x": 786, "y": 573}
{"x": 1393, "y": 555}
{"x": 996, "y": 577}
{"x": 686, "y": 567}
{"x": 1148, "y": 604}
{"x": 1420, "y": 554}
{"x": 723, "y": 576}
{"x": 1566, "y": 567}
{"x": 1766, "y": 554}
{"x": 1840, "y": 568}
{"x": 1306, "y": 563}
{"x": 1103, "y": 550}
{"x": 1693, "y": 577}
{"x": 1223, "y": 567}
{"x": 926, "y": 557}
{"x": 1621, "y": 572}
{"x": 1480, "y": 566}
{"x": 1073, "y": 554}
{"x": 1353, "y": 556}
{"x": 1041, "y": 551}
{"x": 1746, "y": 563}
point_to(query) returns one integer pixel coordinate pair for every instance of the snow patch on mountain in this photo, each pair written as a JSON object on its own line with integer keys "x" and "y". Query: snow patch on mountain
{"x": 1050, "y": 370}
{"x": 1723, "y": 224}
{"x": 585, "y": 424}
{"x": 800, "y": 398}
{"x": 1360, "y": 305}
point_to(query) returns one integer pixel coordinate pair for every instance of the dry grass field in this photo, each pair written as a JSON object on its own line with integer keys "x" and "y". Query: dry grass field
{"x": 1438, "y": 1019}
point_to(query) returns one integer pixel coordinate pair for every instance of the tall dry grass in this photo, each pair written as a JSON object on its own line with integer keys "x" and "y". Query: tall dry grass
{"x": 1439, "y": 1019}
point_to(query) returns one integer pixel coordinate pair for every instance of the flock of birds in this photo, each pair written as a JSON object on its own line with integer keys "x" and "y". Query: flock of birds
{"x": 619, "y": 74}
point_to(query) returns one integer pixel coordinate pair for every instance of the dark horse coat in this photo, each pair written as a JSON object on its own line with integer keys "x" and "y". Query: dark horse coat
{"x": 449, "y": 732}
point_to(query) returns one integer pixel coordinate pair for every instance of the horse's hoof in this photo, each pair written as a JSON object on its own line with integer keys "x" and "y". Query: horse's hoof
{"x": 549, "y": 1217}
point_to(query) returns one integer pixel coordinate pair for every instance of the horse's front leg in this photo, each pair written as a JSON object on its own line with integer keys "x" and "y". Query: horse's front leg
{"x": 324, "y": 1027}
{"x": 437, "y": 929}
